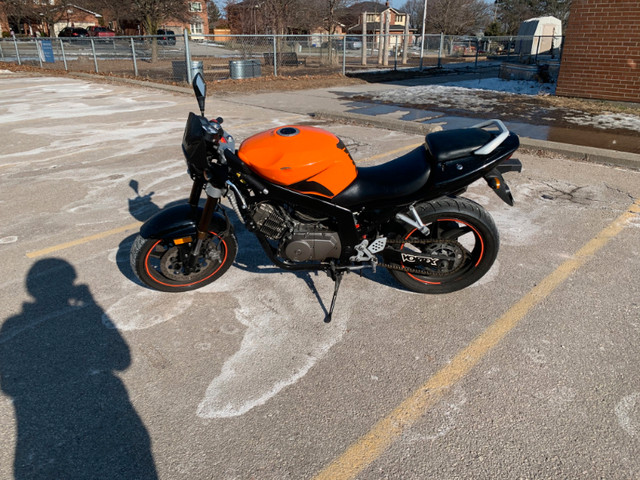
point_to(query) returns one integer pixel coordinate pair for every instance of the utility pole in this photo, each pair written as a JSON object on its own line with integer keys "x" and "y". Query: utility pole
{"x": 424, "y": 19}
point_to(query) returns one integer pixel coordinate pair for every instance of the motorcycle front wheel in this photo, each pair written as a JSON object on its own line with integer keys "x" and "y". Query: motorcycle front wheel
{"x": 459, "y": 248}
{"x": 160, "y": 263}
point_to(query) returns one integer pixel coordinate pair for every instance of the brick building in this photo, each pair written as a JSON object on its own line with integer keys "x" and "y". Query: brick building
{"x": 601, "y": 52}
{"x": 32, "y": 24}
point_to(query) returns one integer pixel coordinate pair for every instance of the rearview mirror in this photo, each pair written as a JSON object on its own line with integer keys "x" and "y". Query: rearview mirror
{"x": 200, "y": 89}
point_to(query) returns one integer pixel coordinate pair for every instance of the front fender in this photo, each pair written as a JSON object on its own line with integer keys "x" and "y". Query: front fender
{"x": 180, "y": 221}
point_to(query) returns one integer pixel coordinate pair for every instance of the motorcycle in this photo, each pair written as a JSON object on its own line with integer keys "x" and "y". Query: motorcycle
{"x": 299, "y": 191}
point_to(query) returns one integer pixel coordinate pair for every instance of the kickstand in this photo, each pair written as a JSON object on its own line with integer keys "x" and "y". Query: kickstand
{"x": 337, "y": 278}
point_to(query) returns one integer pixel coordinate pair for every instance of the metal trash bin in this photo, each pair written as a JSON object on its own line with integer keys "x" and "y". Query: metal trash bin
{"x": 244, "y": 69}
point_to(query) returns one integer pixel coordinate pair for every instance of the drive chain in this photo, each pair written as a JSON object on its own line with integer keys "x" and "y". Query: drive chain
{"x": 395, "y": 266}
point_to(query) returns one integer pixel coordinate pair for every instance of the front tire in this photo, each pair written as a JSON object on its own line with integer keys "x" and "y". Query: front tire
{"x": 158, "y": 262}
{"x": 461, "y": 246}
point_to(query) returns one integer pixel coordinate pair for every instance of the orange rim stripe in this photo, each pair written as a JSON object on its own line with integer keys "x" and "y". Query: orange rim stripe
{"x": 146, "y": 265}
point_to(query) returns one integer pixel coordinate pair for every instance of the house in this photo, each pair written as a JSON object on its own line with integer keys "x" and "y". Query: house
{"x": 374, "y": 24}
{"x": 198, "y": 26}
{"x": 45, "y": 15}
{"x": 47, "y": 19}
{"x": 74, "y": 16}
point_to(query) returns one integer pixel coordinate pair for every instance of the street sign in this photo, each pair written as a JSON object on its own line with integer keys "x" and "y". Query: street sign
{"x": 46, "y": 51}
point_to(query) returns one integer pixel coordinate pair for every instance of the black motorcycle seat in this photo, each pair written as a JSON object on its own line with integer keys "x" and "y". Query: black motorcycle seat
{"x": 461, "y": 142}
{"x": 397, "y": 178}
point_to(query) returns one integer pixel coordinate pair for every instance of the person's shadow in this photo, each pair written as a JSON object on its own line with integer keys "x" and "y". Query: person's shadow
{"x": 58, "y": 362}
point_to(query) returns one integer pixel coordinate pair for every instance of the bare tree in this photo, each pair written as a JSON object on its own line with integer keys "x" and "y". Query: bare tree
{"x": 153, "y": 13}
{"x": 511, "y": 13}
{"x": 117, "y": 10}
{"x": 278, "y": 14}
{"x": 19, "y": 12}
{"x": 457, "y": 17}
{"x": 213, "y": 13}
{"x": 414, "y": 8}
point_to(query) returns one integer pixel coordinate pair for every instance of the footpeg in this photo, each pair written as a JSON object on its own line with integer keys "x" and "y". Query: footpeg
{"x": 367, "y": 252}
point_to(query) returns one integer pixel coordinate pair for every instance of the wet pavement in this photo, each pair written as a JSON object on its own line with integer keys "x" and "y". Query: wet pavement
{"x": 527, "y": 115}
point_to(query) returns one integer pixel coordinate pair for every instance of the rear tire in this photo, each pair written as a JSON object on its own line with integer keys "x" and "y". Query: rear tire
{"x": 157, "y": 264}
{"x": 462, "y": 236}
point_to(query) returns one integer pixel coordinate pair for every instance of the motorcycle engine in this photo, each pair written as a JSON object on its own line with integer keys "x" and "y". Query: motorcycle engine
{"x": 300, "y": 237}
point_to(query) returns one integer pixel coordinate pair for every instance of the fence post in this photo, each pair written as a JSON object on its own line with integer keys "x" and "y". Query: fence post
{"x": 509, "y": 48}
{"x": 387, "y": 39}
{"x": 381, "y": 40}
{"x": 64, "y": 56}
{"x": 187, "y": 56}
{"x": 133, "y": 53}
{"x": 95, "y": 59}
{"x": 344, "y": 55}
{"x": 364, "y": 38}
{"x": 275, "y": 57}
{"x": 424, "y": 19}
{"x": 395, "y": 54}
{"x": 1, "y": 52}
{"x": 405, "y": 43}
{"x": 39, "y": 51}
{"x": 15, "y": 43}
{"x": 476, "y": 63}
{"x": 440, "y": 49}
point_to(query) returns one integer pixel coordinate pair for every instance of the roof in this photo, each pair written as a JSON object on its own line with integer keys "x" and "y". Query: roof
{"x": 97, "y": 15}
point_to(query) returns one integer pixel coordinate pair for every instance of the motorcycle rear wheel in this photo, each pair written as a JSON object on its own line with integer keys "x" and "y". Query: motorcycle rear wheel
{"x": 157, "y": 262}
{"x": 462, "y": 236}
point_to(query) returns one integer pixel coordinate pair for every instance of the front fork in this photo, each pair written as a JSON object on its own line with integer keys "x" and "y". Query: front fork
{"x": 203, "y": 223}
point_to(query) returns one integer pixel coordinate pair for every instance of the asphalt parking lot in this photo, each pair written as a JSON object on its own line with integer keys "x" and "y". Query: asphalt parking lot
{"x": 531, "y": 373}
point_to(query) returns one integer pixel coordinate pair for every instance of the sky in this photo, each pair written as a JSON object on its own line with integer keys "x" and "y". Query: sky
{"x": 398, "y": 3}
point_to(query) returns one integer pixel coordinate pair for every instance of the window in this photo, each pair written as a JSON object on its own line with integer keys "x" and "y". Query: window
{"x": 196, "y": 28}
{"x": 195, "y": 6}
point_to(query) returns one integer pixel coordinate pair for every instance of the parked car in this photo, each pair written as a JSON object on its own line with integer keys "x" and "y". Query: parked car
{"x": 73, "y": 32}
{"x": 168, "y": 37}
{"x": 351, "y": 43}
{"x": 354, "y": 43}
{"x": 100, "y": 32}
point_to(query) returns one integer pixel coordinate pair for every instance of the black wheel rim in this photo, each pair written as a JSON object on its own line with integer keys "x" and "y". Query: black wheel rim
{"x": 456, "y": 244}
{"x": 164, "y": 265}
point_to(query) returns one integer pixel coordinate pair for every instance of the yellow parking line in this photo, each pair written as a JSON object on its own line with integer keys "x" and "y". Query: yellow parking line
{"x": 80, "y": 241}
{"x": 368, "y": 448}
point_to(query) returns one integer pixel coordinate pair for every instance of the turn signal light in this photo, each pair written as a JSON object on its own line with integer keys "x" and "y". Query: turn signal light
{"x": 180, "y": 241}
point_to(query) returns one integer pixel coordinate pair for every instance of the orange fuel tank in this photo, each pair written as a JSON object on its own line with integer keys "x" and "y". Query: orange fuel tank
{"x": 304, "y": 159}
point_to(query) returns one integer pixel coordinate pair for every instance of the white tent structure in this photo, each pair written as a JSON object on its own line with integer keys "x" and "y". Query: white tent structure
{"x": 545, "y": 36}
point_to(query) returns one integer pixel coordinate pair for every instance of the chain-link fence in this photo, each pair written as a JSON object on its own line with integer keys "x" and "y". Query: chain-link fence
{"x": 177, "y": 58}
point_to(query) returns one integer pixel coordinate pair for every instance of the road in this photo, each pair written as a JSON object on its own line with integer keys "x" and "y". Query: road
{"x": 531, "y": 373}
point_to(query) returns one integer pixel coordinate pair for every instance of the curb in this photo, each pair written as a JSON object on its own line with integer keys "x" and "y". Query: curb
{"x": 601, "y": 156}
{"x": 386, "y": 123}
{"x": 132, "y": 81}
{"x": 574, "y": 152}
